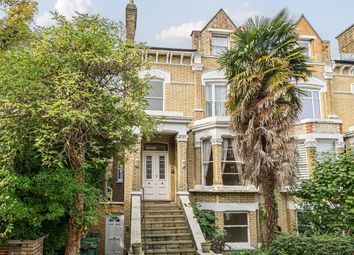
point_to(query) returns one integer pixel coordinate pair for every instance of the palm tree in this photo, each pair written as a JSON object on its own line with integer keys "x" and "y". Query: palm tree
{"x": 264, "y": 102}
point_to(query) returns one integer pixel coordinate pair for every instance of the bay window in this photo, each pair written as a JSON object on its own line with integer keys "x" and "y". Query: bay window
{"x": 310, "y": 105}
{"x": 215, "y": 95}
{"x": 236, "y": 227}
{"x": 231, "y": 163}
{"x": 207, "y": 163}
{"x": 155, "y": 97}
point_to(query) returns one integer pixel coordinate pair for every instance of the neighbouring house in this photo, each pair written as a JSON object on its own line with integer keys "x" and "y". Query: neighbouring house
{"x": 192, "y": 154}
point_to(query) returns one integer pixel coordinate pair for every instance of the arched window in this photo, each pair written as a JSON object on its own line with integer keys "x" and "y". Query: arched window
{"x": 156, "y": 79}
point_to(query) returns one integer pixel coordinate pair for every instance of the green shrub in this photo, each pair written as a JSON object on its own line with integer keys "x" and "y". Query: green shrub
{"x": 312, "y": 245}
{"x": 248, "y": 252}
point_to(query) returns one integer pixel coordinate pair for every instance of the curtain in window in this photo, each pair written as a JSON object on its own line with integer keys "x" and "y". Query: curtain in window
{"x": 225, "y": 146}
{"x": 206, "y": 155}
{"x": 236, "y": 156}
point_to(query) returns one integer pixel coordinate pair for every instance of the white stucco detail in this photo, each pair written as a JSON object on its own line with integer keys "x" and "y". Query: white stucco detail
{"x": 192, "y": 221}
{"x": 222, "y": 207}
{"x": 216, "y": 75}
{"x": 156, "y": 74}
{"x": 312, "y": 83}
{"x": 136, "y": 218}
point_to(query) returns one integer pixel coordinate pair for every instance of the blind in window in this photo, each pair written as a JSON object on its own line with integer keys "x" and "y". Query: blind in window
{"x": 302, "y": 172}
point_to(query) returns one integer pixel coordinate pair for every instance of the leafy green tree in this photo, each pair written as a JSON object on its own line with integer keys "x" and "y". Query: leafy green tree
{"x": 72, "y": 93}
{"x": 263, "y": 102}
{"x": 328, "y": 197}
{"x": 14, "y": 26}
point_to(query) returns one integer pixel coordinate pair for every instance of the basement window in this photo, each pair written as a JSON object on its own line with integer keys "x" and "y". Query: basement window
{"x": 236, "y": 227}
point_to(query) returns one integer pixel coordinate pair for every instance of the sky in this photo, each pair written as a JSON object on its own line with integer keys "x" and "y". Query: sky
{"x": 168, "y": 23}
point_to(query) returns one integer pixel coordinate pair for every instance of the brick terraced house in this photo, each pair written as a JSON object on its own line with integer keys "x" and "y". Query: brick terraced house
{"x": 192, "y": 154}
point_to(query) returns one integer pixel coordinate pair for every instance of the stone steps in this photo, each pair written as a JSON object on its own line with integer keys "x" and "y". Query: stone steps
{"x": 185, "y": 251}
{"x": 166, "y": 229}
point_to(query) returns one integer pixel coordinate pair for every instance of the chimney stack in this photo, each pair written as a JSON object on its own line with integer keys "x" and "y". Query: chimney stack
{"x": 131, "y": 14}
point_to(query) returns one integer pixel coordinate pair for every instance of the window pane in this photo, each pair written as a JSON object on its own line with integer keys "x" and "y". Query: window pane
{"x": 155, "y": 104}
{"x": 162, "y": 168}
{"x": 230, "y": 179}
{"x": 307, "y": 46}
{"x": 219, "y": 108}
{"x": 210, "y": 174}
{"x": 208, "y": 93}
{"x": 307, "y": 109}
{"x": 316, "y": 104}
{"x": 235, "y": 218}
{"x": 236, "y": 234}
{"x": 148, "y": 167}
{"x": 220, "y": 93}
{"x": 316, "y": 94}
{"x": 219, "y": 41}
{"x": 209, "y": 109}
{"x": 156, "y": 89}
{"x": 217, "y": 50}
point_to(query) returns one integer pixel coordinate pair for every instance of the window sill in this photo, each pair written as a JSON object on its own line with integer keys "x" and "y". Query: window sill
{"x": 240, "y": 246}
{"x": 225, "y": 189}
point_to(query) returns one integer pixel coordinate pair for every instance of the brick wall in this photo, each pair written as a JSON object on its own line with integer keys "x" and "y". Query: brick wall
{"x": 346, "y": 41}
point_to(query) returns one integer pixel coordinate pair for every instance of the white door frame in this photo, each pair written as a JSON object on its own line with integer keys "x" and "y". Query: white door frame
{"x": 155, "y": 174}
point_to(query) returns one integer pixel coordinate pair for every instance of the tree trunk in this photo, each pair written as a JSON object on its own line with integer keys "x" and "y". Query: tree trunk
{"x": 268, "y": 196}
{"x": 76, "y": 154}
{"x": 75, "y": 228}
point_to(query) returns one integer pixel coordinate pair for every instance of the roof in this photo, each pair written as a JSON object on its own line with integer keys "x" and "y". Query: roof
{"x": 349, "y": 62}
{"x": 307, "y": 21}
{"x": 220, "y": 11}
{"x": 171, "y": 49}
{"x": 344, "y": 31}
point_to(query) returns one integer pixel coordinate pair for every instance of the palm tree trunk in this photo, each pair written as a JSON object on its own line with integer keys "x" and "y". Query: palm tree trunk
{"x": 268, "y": 196}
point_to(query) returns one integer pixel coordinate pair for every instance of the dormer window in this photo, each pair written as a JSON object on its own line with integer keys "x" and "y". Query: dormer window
{"x": 219, "y": 44}
{"x": 307, "y": 46}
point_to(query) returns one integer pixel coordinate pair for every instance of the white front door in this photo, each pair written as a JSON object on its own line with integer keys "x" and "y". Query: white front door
{"x": 114, "y": 235}
{"x": 156, "y": 181}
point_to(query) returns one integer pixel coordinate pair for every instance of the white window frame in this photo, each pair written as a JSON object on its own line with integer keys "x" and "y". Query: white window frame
{"x": 227, "y": 37}
{"x": 230, "y": 161}
{"x": 120, "y": 177}
{"x": 205, "y": 162}
{"x": 236, "y": 245}
{"x": 163, "y": 94}
{"x": 352, "y": 87}
{"x": 213, "y": 96}
{"x": 312, "y": 101}
{"x": 308, "y": 43}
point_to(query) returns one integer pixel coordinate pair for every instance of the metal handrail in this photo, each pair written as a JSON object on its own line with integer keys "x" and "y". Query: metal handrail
{"x": 143, "y": 217}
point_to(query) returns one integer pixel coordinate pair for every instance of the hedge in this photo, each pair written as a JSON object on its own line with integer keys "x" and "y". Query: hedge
{"x": 312, "y": 245}
{"x": 306, "y": 245}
